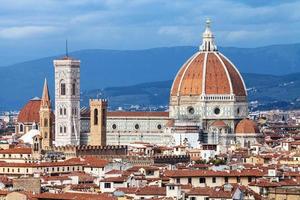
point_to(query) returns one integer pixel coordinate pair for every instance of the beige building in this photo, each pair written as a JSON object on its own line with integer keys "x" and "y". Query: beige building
{"x": 98, "y": 113}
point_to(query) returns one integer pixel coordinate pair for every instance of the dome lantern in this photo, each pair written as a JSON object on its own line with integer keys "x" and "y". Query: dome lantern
{"x": 208, "y": 43}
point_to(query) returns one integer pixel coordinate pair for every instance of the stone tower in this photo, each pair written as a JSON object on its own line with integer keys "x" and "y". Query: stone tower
{"x": 45, "y": 118}
{"x": 67, "y": 101}
{"x": 36, "y": 149}
{"x": 98, "y": 115}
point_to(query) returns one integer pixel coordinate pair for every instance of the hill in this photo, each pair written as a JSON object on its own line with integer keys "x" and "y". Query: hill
{"x": 264, "y": 92}
{"x": 110, "y": 68}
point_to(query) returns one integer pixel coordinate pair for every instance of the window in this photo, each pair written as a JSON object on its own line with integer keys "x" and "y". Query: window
{"x": 45, "y": 122}
{"x": 107, "y": 185}
{"x": 103, "y": 117}
{"x": 114, "y": 126}
{"x": 226, "y": 179}
{"x": 249, "y": 179}
{"x": 217, "y": 111}
{"x": 21, "y": 127}
{"x": 171, "y": 187}
{"x": 74, "y": 88}
{"x": 190, "y": 180}
{"x": 137, "y": 126}
{"x": 202, "y": 180}
{"x": 192, "y": 198}
{"x": 191, "y": 110}
{"x": 214, "y": 179}
{"x": 238, "y": 179}
{"x": 73, "y": 129}
{"x": 61, "y": 111}
{"x": 65, "y": 129}
{"x": 62, "y": 88}
{"x": 46, "y": 134}
{"x": 159, "y": 126}
{"x": 178, "y": 180}
{"x": 65, "y": 111}
{"x": 60, "y": 129}
{"x": 95, "y": 116}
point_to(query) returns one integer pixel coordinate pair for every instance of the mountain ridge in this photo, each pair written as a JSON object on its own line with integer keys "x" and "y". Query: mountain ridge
{"x": 102, "y": 68}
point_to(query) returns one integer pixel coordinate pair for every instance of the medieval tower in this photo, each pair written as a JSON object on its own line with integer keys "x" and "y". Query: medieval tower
{"x": 98, "y": 114}
{"x": 67, "y": 101}
{"x": 45, "y": 118}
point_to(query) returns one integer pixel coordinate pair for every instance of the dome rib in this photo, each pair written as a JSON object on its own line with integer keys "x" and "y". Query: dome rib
{"x": 184, "y": 73}
{"x": 226, "y": 71}
{"x": 204, "y": 73}
{"x": 240, "y": 91}
{"x": 176, "y": 82}
{"x": 216, "y": 81}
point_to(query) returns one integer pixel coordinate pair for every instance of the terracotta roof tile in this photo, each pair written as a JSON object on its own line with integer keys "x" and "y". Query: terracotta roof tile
{"x": 30, "y": 112}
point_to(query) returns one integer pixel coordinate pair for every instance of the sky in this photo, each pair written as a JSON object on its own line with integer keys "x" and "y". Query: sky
{"x": 31, "y": 29}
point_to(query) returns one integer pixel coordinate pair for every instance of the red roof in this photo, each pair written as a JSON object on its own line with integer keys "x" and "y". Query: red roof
{"x": 151, "y": 190}
{"x": 95, "y": 162}
{"x": 219, "y": 123}
{"x": 17, "y": 150}
{"x": 214, "y": 74}
{"x": 211, "y": 173}
{"x": 246, "y": 126}
{"x": 30, "y": 112}
{"x": 73, "y": 196}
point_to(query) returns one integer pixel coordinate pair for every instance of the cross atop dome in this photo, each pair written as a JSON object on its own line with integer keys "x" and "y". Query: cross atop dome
{"x": 208, "y": 43}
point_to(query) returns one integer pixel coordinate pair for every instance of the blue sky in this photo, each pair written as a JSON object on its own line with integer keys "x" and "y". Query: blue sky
{"x": 32, "y": 29}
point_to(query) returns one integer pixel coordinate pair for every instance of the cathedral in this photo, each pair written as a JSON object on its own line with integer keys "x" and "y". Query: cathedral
{"x": 208, "y": 105}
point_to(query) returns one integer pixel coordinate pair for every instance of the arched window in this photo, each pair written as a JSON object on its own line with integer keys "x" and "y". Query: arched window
{"x": 65, "y": 129}
{"x": 103, "y": 117}
{"x": 96, "y": 116}
{"x": 45, "y": 122}
{"x": 21, "y": 128}
{"x": 65, "y": 111}
{"x": 61, "y": 111}
{"x": 46, "y": 134}
{"x": 60, "y": 129}
{"x": 62, "y": 87}
{"x": 74, "y": 87}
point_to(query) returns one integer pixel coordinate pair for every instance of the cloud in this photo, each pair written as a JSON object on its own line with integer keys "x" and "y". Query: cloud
{"x": 125, "y": 24}
{"x": 25, "y": 32}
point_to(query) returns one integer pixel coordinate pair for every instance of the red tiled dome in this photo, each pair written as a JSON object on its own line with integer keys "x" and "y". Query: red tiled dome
{"x": 246, "y": 126}
{"x": 208, "y": 72}
{"x": 30, "y": 112}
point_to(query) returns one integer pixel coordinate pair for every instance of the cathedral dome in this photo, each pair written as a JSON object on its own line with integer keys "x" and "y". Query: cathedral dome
{"x": 30, "y": 112}
{"x": 246, "y": 126}
{"x": 208, "y": 72}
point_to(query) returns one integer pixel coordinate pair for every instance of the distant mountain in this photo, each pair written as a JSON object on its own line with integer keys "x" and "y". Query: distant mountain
{"x": 264, "y": 92}
{"x": 110, "y": 68}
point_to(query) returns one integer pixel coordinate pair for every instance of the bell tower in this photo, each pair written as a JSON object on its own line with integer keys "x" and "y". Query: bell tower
{"x": 45, "y": 118}
{"x": 67, "y": 101}
{"x": 98, "y": 112}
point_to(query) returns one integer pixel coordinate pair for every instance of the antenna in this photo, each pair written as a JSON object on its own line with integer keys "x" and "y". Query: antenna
{"x": 67, "y": 53}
